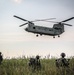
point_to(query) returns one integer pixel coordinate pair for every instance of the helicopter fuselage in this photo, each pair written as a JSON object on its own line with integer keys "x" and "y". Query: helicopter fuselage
{"x": 55, "y": 30}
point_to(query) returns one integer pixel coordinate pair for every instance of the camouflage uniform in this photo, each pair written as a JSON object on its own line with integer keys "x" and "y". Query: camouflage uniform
{"x": 62, "y": 62}
{"x": 1, "y": 58}
{"x": 35, "y": 63}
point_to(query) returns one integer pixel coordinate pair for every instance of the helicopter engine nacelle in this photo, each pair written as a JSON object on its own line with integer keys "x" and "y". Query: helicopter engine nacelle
{"x": 59, "y": 27}
{"x": 30, "y": 24}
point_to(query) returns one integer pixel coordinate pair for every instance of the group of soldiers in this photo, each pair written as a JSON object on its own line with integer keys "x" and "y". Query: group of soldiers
{"x": 35, "y": 63}
{"x": 61, "y": 62}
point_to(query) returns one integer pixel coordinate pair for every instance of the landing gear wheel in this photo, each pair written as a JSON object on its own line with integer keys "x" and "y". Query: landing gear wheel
{"x": 37, "y": 35}
{"x": 53, "y": 36}
{"x": 40, "y": 34}
{"x": 58, "y": 35}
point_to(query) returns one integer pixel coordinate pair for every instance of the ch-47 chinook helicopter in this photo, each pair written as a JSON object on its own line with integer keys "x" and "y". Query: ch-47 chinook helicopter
{"x": 57, "y": 29}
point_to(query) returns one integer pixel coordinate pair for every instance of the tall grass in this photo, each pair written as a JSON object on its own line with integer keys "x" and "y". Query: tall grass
{"x": 20, "y": 67}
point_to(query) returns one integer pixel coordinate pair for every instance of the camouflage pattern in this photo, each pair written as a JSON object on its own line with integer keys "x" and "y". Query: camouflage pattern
{"x": 1, "y": 58}
{"x": 35, "y": 63}
{"x": 62, "y": 62}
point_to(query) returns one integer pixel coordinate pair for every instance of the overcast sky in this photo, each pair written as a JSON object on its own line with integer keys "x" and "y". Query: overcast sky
{"x": 14, "y": 41}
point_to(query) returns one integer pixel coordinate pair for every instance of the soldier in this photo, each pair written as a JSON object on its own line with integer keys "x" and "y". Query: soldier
{"x": 62, "y": 62}
{"x": 65, "y": 61}
{"x": 1, "y": 58}
{"x": 35, "y": 62}
{"x": 32, "y": 62}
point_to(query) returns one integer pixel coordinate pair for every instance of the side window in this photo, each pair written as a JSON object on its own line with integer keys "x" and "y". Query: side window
{"x": 33, "y": 27}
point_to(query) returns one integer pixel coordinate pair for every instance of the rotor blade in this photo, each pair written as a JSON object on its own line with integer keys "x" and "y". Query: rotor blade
{"x": 20, "y": 18}
{"x": 51, "y": 21}
{"x": 68, "y": 19}
{"x": 43, "y": 19}
{"x": 23, "y": 24}
{"x": 67, "y": 24}
{"x": 59, "y": 22}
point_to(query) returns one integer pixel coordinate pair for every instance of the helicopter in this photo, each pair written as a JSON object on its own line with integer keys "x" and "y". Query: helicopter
{"x": 56, "y": 30}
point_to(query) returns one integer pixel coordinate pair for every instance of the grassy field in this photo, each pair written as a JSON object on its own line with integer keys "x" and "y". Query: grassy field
{"x": 20, "y": 67}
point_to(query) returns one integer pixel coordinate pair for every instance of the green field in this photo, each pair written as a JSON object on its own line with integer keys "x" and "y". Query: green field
{"x": 20, "y": 67}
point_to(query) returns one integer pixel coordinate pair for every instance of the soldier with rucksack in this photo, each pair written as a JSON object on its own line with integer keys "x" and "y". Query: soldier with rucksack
{"x": 62, "y": 62}
{"x": 35, "y": 62}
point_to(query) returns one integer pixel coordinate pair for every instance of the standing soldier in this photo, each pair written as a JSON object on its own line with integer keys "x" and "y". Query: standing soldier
{"x": 65, "y": 62}
{"x": 37, "y": 62}
{"x": 1, "y": 57}
{"x": 62, "y": 62}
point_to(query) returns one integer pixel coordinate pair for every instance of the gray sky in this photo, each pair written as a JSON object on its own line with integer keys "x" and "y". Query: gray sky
{"x": 14, "y": 41}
